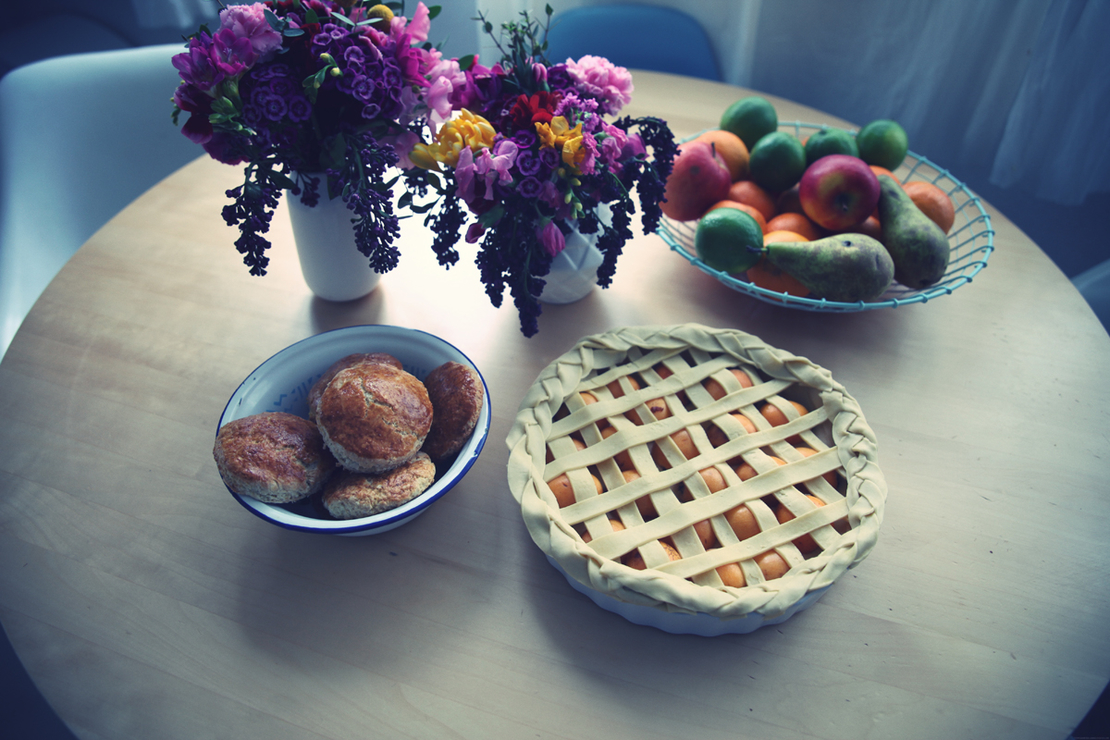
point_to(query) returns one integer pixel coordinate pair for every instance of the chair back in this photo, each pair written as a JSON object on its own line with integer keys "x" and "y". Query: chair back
{"x": 647, "y": 37}
{"x": 81, "y": 136}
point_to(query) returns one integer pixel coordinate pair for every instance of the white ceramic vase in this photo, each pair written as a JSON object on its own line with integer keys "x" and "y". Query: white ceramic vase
{"x": 332, "y": 265}
{"x": 574, "y": 270}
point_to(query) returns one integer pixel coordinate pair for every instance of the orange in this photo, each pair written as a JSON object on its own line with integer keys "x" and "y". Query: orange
{"x": 933, "y": 202}
{"x": 750, "y": 210}
{"x": 732, "y": 150}
{"x": 617, "y": 390}
{"x": 623, "y": 459}
{"x": 771, "y": 277}
{"x": 635, "y": 560}
{"x": 805, "y": 543}
{"x": 746, "y": 191}
{"x": 871, "y": 227}
{"x": 685, "y": 444}
{"x": 884, "y": 171}
{"x": 799, "y": 223}
{"x": 616, "y": 524}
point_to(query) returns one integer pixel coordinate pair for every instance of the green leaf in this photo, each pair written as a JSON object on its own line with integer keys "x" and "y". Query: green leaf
{"x": 492, "y": 216}
{"x": 310, "y": 15}
{"x": 343, "y": 19}
{"x": 465, "y": 63}
{"x": 278, "y": 24}
{"x": 433, "y": 11}
{"x": 422, "y": 208}
{"x": 281, "y": 179}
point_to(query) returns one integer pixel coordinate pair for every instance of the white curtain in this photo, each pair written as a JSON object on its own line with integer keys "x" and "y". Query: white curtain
{"x": 1011, "y": 92}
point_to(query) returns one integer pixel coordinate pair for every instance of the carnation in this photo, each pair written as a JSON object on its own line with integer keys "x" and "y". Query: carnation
{"x": 610, "y": 84}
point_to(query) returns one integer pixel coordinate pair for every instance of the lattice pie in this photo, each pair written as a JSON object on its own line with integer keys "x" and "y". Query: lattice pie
{"x": 695, "y": 470}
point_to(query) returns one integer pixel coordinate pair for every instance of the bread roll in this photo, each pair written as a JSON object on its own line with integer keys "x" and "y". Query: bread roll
{"x": 355, "y": 495}
{"x": 457, "y": 394}
{"x": 342, "y": 364}
{"x": 275, "y": 457}
{"x": 374, "y": 417}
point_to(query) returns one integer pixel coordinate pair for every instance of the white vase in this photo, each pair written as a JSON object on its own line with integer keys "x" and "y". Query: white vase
{"x": 332, "y": 265}
{"x": 574, "y": 270}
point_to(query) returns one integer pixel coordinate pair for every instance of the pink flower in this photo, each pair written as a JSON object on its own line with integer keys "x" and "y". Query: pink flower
{"x": 602, "y": 79}
{"x": 420, "y": 24}
{"x": 249, "y": 22}
{"x": 551, "y": 238}
{"x": 231, "y": 54}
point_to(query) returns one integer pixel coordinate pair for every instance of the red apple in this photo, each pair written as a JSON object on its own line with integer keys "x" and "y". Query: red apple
{"x": 698, "y": 179}
{"x": 839, "y": 192}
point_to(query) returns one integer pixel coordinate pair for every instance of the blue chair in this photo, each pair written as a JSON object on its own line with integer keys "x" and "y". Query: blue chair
{"x": 81, "y": 136}
{"x": 647, "y": 37}
{"x": 1094, "y": 284}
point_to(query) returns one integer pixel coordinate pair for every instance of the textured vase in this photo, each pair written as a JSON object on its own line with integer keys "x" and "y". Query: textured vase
{"x": 332, "y": 266}
{"x": 574, "y": 270}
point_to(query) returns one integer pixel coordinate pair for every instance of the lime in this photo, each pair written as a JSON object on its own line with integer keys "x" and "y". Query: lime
{"x": 829, "y": 141}
{"x": 729, "y": 240}
{"x": 777, "y": 162}
{"x": 750, "y": 118}
{"x": 882, "y": 143}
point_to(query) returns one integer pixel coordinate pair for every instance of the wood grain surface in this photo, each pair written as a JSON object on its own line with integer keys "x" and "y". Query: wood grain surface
{"x": 145, "y": 602}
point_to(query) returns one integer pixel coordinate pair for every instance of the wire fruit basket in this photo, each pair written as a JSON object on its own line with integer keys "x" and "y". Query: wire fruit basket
{"x": 971, "y": 239}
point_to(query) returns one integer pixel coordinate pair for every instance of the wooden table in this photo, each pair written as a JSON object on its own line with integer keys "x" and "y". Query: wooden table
{"x": 145, "y": 602}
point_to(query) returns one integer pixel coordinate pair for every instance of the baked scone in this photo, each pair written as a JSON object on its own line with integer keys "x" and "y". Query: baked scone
{"x": 648, "y": 441}
{"x": 275, "y": 457}
{"x": 374, "y": 417}
{"x": 342, "y": 364}
{"x": 354, "y": 495}
{"x": 457, "y": 395}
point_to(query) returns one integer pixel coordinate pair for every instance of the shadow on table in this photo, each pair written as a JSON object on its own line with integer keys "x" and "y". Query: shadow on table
{"x": 24, "y": 713}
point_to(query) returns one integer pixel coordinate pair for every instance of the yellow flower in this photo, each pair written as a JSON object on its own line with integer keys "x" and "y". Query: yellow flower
{"x": 561, "y": 137}
{"x": 468, "y": 130}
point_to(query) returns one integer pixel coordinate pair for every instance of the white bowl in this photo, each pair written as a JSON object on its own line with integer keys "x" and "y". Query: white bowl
{"x": 282, "y": 383}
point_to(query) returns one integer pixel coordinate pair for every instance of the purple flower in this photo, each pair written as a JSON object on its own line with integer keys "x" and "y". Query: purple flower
{"x": 527, "y": 163}
{"x": 249, "y": 22}
{"x": 550, "y": 158}
{"x": 551, "y": 238}
{"x": 601, "y": 79}
{"x": 530, "y": 188}
{"x": 230, "y": 54}
{"x": 299, "y": 109}
{"x": 195, "y": 66}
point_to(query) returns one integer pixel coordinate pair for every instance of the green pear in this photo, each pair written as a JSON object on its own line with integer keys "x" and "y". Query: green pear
{"x": 918, "y": 246}
{"x": 843, "y": 267}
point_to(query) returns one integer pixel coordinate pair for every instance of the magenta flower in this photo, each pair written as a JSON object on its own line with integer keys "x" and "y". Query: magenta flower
{"x": 195, "y": 66}
{"x": 249, "y": 22}
{"x": 551, "y": 238}
{"x": 231, "y": 54}
{"x": 603, "y": 80}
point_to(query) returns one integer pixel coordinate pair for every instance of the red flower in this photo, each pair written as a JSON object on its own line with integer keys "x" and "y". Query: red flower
{"x": 528, "y": 111}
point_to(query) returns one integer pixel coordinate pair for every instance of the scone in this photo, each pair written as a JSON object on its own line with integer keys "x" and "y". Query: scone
{"x": 457, "y": 395}
{"x": 374, "y": 417}
{"x": 354, "y": 495}
{"x": 275, "y": 457}
{"x": 342, "y": 364}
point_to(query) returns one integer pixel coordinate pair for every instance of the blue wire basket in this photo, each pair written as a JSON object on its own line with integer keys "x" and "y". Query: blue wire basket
{"x": 971, "y": 238}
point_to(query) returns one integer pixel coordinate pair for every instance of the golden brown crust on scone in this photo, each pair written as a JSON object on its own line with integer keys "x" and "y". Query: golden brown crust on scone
{"x": 274, "y": 457}
{"x": 354, "y": 495}
{"x": 342, "y": 364}
{"x": 457, "y": 394}
{"x": 374, "y": 417}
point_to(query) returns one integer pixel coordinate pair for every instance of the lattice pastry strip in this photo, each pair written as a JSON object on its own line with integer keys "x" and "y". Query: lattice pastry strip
{"x": 695, "y": 469}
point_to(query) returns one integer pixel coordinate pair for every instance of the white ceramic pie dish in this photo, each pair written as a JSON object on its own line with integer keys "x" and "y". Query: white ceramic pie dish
{"x": 685, "y": 594}
{"x": 282, "y": 382}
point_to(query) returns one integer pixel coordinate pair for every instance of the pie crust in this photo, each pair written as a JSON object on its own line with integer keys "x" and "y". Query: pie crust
{"x": 580, "y": 537}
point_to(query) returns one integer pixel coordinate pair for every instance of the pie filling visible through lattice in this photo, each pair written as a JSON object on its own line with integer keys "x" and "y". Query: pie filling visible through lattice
{"x": 695, "y": 469}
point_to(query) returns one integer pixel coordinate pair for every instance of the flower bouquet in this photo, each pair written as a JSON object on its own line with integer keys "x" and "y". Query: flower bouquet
{"x": 526, "y": 147}
{"x": 301, "y": 90}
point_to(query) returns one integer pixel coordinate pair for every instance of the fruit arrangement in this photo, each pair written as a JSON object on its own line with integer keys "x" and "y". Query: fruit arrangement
{"x": 817, "y": 215}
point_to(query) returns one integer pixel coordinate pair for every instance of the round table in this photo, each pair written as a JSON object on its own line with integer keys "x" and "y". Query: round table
{"x": 145, "y": 602}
